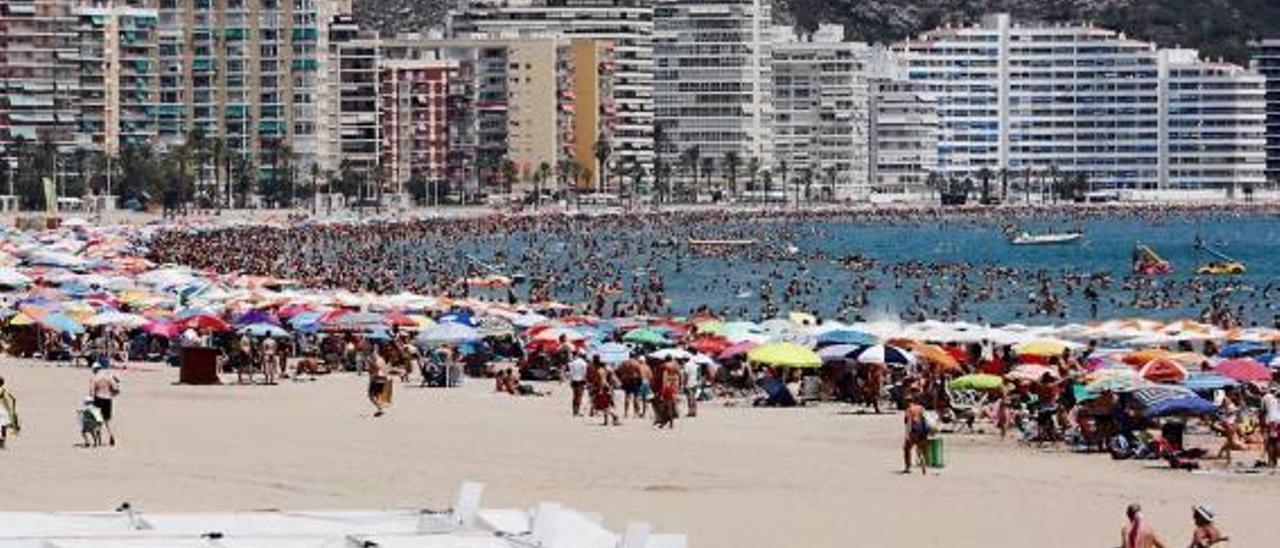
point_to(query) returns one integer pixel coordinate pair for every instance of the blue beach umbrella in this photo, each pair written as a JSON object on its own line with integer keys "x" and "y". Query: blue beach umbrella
{"x": 838, "y": 352}
{"x": 264, "y": 330}
{"x": 1241, "y": 349}
{"x": 1208, "y": 382}
{"x": 846, "y": 336}
{"x": 1166, "y": 400}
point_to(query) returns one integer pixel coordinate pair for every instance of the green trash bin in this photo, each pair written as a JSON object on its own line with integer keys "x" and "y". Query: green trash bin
{"x": 933, "y": 453}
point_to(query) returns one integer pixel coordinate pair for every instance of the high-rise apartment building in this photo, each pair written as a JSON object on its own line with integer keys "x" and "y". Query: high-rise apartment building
{"x": 414, "y": 99}
{"x": 247, "y": 74}
{"x": 820, "y": 110}
{"x": 1266, "y": 60}
{"x": 713, "y": 80}
{"x": 119, "y": 93}
{"x": 39, "y": 84}
{"x": 1031, "y": 98}
{"x": 625, "y": 24}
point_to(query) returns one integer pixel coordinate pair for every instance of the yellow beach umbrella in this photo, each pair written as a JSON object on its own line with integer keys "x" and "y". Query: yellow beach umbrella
{"x": 1043, "y": 347}
{"x": 21, "y": 320}
{"x": 784, "y": 354}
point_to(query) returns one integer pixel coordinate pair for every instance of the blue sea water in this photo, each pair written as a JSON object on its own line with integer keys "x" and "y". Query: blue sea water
{"x": 734, "y": 284}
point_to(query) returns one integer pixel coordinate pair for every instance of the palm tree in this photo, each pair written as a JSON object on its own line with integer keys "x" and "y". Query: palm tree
{"x": 509, "y": 172}
{"x": 732, "y": 161}
{"x": 753, "y": 171}
{"x": 985, "y": 175}
{"x": 690, "y": 160}
{"x": 831, "y": 183}
{"x": 783, "y": 175}
{"x": 934, "y": 182}
{"x": 708, "y": 170}
{"x": 1004, "y": 184}
{"x": 662, "y": 180}
{"x": 602, "y": 152}
{"x": 637, "y": 179}
{"x": 315, "y": 185}
{"x": 539, "y": 176}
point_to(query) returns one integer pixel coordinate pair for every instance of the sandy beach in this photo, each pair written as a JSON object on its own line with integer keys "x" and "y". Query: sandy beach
{"x": 734, "y": 476}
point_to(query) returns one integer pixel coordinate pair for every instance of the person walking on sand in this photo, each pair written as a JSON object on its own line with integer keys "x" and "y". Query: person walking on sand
{"x": 8, "y": 414}
{"x": 379, "y": 389}
{"x": 1205, "y": 534}
{"x": 577, "y": 373}
{"x": 1137, "y": 534}
{"x": 915, "y": 436}
{"x": 1271, "y": 426}
{"x": 103, "y": 389}
{"x": 602, "y": 382}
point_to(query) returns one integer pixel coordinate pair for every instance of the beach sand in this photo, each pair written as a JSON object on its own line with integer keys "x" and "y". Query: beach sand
{"x": 733, "y": 477}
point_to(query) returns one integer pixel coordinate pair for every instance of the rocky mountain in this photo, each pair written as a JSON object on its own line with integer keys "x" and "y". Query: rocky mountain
{"x": 1219, "y": 28}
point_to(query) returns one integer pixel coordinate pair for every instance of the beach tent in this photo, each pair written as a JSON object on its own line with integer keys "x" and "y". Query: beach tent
{"x": 784, "y": 354}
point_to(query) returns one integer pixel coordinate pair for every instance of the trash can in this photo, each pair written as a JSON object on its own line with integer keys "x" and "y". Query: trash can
{"x": 933, "y": 453}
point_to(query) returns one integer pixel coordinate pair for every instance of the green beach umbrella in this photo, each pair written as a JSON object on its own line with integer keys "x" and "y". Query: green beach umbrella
{"x": 784, "y": 354}
{"x": 977, "y": 381}
{"x": 646, "y": 336}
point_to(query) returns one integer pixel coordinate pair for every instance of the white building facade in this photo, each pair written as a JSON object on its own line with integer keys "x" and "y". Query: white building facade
{"x": 1028, "y": 99}
{"x": 1266, "y": 60}
{"x": 713, "y": 80}
{"x": 821, "y": 122}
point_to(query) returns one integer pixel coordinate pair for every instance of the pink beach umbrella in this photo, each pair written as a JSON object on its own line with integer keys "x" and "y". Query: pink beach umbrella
{"x": 1244, "y": 370}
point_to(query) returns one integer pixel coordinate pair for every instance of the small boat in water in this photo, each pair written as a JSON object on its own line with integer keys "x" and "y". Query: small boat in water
{"x": 1224, "y": 266}
{"x": 1050, "y": 238}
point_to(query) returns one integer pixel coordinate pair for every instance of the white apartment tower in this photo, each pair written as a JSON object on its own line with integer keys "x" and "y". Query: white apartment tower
{"x": 1266, "y": 60}
{"x": 714, "y": 79}
{"x": 820, "y": 117}
{"x": 1028, "y": 98}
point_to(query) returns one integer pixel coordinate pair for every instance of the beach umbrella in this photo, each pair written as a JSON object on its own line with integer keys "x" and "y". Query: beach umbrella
{"x": 1189, "y": 359}
{"x": 306, "y": 321}
{"x": 885, "y": 354}
{"x": 556, "y": 333}
{"x": 447, "y": 333}
{"x": 1243, "y": 370}
{"x": 460, "y": 318}
{"x": 671, "y": 354}
{"x": 710, "y": 345}
{"x": 837, "y": 352}
{"x": 1168, "y": 400}
{"x": 802, "y": 318}
{"x": 1042, "y": 347}
{"x": 167, "y": 330}
{"x": 737, "y": 349}
{"x": 1163, "y": 370}
{"x": 784, "y": 354}
{"x": 528, "y": 319}
{"x": 113, "y": 318}
{"x": 646, "y": 336}
{"x": 205, "y": 322}
{"x": 1139, "y": 358}
{"x": 264, "y": 330}
{"x": 256, "y": 316}
{"x": 21, "y": 320}
{"x": 737, "y": 331}
{"x": 1208, "y": 382}
{"x": 1030, "y": 373}
{"x": 936, "y": 357}
{"x": 355, "y": 322}
{"x": 494, "y": 327}
{"x": 1117, "y": 383}
{"x": 12, "y": 278}
{"x": 777, "y": 326}
{"x": 977, "y": 381}
{"x": 611, "y": 353}
{"x": 709, "y": 327}
{"x": 847, "y": 336}
{"x": 1241, "y": 349}
{"x": 397, "y": 319}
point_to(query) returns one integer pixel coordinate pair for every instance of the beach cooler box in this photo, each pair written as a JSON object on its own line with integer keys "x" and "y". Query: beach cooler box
{"x": 933, "y": 453}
